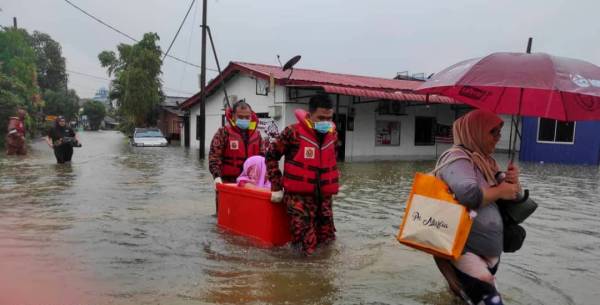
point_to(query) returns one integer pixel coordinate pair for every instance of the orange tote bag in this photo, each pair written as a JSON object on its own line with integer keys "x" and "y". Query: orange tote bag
{"x": 434, "y": 222}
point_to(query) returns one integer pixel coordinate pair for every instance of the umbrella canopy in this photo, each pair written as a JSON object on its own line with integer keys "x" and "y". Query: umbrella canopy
{"x": 534, "y": 84}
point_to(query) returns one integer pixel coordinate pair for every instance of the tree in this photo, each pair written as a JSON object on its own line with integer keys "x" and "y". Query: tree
{"x": 59, "y": 103}
{"x": 17, "y": 64}
{"x": 95, "y": 112}
{"x": 137, "y": 83}
{"x": 18, "y": 83}
{"x": 51, "y": 66}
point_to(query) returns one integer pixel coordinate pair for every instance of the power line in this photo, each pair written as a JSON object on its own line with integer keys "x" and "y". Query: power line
{"x": 88, "y": 75}
{"x": 130, "y": 37}
{"x": 98, "y": 19}
{"x": 106, "y": 79}
{"x": 179, "y": 29}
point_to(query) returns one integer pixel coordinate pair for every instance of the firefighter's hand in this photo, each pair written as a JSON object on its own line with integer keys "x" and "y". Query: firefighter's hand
{"x": 218, "y": 180}
{"x": 276, "y": 197}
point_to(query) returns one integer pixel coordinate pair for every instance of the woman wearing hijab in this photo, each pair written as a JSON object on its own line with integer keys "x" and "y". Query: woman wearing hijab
{"x": 471, "y": 173}
{"x": 56, "y": 139}
{"x": 254, "y": 174}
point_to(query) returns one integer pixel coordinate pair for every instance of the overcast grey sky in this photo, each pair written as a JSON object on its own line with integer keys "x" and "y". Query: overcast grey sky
{"x": 375, "y": 37}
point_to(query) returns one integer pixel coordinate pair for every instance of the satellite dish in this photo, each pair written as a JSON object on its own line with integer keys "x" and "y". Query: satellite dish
{"x": 290, "y": 63}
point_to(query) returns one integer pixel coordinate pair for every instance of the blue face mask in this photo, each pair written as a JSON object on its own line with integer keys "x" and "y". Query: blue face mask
{"x": 323, "y": 126}
{"x": 242, "y": 123}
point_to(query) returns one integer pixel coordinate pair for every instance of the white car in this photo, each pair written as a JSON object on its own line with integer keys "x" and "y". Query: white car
{"x": 148, "y": 137}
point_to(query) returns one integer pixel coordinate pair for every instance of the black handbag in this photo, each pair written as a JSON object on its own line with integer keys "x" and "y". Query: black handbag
{"x": 513, "y": 213}
{"x": 517, "y": 210}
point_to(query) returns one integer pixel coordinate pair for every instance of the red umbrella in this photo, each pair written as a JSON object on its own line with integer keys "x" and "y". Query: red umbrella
{"x": 535, "y": 84}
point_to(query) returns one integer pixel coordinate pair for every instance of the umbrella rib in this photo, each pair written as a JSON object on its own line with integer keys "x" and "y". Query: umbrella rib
{"x": 562, "y": 99}
{"x": 499, "y": 99}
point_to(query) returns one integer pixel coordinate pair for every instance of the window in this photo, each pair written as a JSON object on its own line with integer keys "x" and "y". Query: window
{"x": 262, "y": 86}
{"x": 424, "y": 131}
{"x": 553, "y": 131}
{"x": 387, "y": 133}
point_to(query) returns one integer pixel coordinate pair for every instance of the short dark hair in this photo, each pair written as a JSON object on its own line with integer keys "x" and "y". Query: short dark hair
{"x": 319, "y": 101}
{"x": 240, "y": 104}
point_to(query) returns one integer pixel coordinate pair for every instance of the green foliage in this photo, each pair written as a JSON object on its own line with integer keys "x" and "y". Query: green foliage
{"x": 95, "y": 112}
{"x": 59, "y": 103}
{"x": 137, "y": 83}
{"x": 17, "y": 57}
{"x": 18, "y": 83}
{"x": 51, "y": 67}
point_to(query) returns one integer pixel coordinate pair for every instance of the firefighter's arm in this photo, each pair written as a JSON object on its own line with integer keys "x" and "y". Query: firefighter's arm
{"x": 276, "y": 150}
{"x": 215, "y": 155}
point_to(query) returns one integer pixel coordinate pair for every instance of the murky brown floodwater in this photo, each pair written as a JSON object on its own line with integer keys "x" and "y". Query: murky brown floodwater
{"x": 126, "y": 225}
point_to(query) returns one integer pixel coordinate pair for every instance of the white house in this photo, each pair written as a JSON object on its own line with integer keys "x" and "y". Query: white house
{"x": 376, "y": 118}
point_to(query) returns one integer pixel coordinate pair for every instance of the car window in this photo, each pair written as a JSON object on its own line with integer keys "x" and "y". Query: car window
{"x": 148, "y": 134}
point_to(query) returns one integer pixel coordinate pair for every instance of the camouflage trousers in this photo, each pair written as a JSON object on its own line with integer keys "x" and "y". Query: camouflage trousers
{"x": 311, "y": 221}
{"x": 15, "y": 147}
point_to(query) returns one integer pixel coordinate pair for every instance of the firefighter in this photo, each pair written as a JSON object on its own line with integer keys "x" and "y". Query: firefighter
{"x": 233, "y": 144}
{"x": 310, "y": 177}
{"x": 15, "y": 139}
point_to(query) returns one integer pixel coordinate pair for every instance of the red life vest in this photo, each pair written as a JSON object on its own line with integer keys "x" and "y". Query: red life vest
{"x": 236, "y": 150}
{"x": 18, "y": 124}
{"x": 312, "y": 161}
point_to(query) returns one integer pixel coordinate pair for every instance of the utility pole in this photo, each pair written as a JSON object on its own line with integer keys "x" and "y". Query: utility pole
{"x": 15, "y": 22}
{"x": 202, "y": 123}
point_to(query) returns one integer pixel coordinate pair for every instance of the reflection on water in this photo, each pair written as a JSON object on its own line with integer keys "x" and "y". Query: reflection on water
{"x": 125, "y": 225}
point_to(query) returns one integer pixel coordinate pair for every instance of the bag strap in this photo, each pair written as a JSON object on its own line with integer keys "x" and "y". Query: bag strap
{"x": 443, "y": 161}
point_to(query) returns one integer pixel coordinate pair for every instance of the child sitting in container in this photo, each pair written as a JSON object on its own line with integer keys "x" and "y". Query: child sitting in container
{"x": 254, "y": 174}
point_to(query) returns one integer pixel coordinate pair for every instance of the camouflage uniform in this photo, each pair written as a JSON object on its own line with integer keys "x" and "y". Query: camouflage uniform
{"x": 15, "y": 139}
{"x": 311, "y": 217}
{"x": 215, "y": 157}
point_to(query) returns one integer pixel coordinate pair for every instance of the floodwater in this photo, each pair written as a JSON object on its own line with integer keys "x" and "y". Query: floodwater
{"x": 125, "y": 225}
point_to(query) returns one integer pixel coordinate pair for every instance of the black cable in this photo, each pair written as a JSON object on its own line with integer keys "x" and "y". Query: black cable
{"x": 129, "y": 37}
{"x": 179, "y": 29}
{"x": 88, "y": 75}
{"x": 107, "y": 79}
{"x": 98, "y": 19}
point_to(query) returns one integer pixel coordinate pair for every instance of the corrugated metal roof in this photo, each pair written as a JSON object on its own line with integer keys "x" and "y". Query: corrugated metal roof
{"x": 388, "y": 95}
{"x": 347, "y": 84}
{"x": 321, "y": 77}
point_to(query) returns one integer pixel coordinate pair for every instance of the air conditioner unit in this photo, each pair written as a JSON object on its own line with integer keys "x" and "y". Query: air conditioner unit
{"x": 275, "y": 112}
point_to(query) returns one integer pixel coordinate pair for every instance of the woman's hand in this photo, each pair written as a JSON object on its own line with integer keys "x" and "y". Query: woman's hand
{"x": 512, "y": 174}
{"x": 507, "y": 191}
{"x": 504, "y": 190}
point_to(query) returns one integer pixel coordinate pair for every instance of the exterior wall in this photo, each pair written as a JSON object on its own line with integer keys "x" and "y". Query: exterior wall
{"x": 584, "y": 150}
{"x": 359, "y": 144}
{"x": 169, "y": 125}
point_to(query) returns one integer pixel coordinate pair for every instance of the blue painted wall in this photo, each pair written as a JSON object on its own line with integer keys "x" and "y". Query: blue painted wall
{"x": 586, "y": 149}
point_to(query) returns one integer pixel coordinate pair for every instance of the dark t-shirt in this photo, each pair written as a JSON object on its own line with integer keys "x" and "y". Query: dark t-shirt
{"x": 56, "y": 133}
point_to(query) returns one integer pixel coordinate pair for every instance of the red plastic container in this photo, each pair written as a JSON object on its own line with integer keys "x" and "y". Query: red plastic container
{"x": 251, "y": 213}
